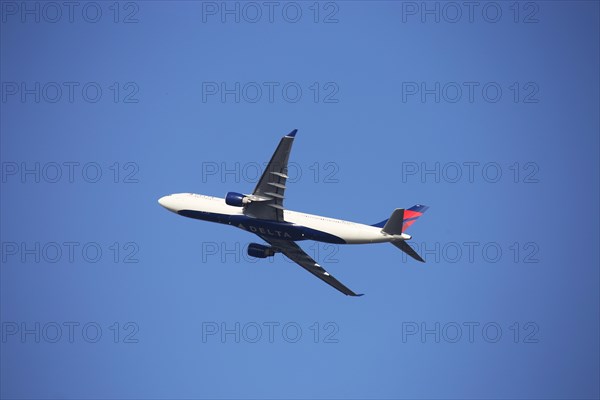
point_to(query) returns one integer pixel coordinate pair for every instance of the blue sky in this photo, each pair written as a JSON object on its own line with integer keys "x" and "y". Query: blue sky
{"x": 488, "y": 115}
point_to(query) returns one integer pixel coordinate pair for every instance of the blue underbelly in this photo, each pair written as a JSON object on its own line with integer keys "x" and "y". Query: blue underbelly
{"x": 274, "y": 229}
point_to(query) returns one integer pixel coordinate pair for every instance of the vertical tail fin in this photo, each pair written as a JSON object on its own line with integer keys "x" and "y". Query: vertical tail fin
{"x": 393, "y": 225}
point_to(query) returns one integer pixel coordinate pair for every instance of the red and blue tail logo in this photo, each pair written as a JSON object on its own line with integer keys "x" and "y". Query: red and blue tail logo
{"x": 412, "y": 214}
{"x": 409, "y": 218}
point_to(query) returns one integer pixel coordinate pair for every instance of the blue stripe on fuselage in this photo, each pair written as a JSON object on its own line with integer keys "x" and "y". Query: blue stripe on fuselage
{"x": 274, "y": 229}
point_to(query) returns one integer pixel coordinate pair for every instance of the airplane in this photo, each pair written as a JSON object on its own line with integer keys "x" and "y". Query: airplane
{"x": 263, "y": 214}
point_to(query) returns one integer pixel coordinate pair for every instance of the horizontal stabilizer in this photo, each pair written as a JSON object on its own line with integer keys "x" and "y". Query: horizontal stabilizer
{"x": 405, "y": 247}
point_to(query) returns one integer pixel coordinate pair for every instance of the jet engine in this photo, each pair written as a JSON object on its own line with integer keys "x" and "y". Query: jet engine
{"x": 236, "y": 199}
{"x": 260, "y": 251}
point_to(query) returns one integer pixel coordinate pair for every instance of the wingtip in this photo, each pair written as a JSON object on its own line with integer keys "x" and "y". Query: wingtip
{"x": 292, "y": 133}
{"x": 358, "y": 295}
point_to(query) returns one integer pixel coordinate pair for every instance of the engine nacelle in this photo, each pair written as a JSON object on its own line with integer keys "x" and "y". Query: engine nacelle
{"x": 236, "y": 199}
{"x": 260, "y": 251}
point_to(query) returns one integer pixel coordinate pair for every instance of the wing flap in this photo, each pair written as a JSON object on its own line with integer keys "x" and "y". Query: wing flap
{"x": 279, "y": 174}
{"x": 277, "y": 185}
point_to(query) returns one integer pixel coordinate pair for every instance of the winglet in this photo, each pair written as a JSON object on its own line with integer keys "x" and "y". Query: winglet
{"x": 292, "y": 133}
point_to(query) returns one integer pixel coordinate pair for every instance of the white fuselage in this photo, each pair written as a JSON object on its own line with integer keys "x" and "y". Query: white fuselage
{"x": 297, "y": 225}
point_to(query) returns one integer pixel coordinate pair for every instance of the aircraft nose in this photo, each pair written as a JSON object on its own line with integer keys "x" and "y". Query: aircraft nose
{"x": 165, "y": 201}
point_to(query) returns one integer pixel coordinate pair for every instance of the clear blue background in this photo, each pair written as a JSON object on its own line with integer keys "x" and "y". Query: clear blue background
{"x": 170, "y": 133}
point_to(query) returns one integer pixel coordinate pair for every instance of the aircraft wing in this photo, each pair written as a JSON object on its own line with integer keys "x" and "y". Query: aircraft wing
{"x": 271, "y": 186}
{"x": 292, "y": 251}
